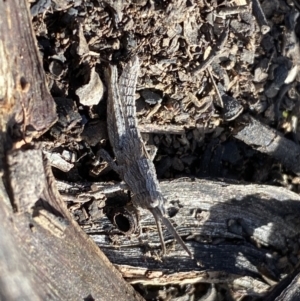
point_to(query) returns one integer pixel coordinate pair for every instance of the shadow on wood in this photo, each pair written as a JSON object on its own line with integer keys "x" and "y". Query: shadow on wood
{"x": 243, "y": 235}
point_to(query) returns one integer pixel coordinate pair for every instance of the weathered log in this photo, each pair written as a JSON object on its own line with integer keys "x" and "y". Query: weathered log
{"x": 44, "y": 255}
{"x": 49, "y": 253}
{"x": 292, "y": 292}
{"x": 287, "y": 289}
{"x": 242, "y": 234}
{"x": 268, "y": 141}
{"x": 27, "y": 108}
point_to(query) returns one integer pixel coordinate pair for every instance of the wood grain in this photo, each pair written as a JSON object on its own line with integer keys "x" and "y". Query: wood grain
{"x": 236, "y": 231}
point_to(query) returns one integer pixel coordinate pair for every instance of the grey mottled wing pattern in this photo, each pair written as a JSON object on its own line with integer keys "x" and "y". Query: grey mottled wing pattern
{"x": 127, "y": 85}
{"x": 115, "y": 111}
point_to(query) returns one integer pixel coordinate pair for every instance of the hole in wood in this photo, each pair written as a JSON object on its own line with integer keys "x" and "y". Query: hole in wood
{"x": 122, "y": 222}
{"x": 172, "y": 211}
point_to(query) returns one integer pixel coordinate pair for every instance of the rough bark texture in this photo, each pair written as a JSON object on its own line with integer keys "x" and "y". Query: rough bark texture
{"x": 27, "y": 107}
{"x": 292, "y": 292}
{"x": 44, "y": 255}
{"x": 268, "y": 141}
{"x": 287, "y": 289}
{"x": 240, "y": 234}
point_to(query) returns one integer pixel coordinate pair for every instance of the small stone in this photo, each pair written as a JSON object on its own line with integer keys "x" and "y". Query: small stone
{"x": 151, "y": 97}
{"x": 260, "y": 75}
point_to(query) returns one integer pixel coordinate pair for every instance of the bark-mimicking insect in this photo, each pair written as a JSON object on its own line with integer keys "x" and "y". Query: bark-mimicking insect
{"x": 133, "y": 163}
